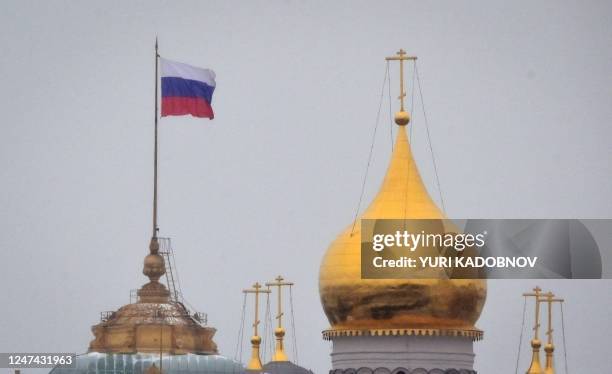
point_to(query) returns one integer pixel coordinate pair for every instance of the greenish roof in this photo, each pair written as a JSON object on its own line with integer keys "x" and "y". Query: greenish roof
{"x": 138, "y": 363}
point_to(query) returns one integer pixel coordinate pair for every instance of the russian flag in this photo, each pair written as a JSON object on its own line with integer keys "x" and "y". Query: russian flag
{"x": 186, "y": 89}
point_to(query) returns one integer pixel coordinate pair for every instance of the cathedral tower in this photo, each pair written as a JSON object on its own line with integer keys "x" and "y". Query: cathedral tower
{"x": 398, "y": 326}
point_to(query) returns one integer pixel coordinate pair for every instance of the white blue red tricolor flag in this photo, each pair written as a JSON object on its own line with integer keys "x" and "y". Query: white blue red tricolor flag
{"x": 186, "y": 89}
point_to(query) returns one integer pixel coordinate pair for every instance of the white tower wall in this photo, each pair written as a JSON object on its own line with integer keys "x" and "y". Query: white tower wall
{"x": 402, "y": 354}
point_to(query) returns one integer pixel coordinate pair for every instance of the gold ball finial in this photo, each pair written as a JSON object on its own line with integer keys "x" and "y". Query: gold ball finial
{"x": 255, "y": 340}
{"x": 154, "y": 267}
{"x": 402, "y": 118}
{"x": 279, "y": 332}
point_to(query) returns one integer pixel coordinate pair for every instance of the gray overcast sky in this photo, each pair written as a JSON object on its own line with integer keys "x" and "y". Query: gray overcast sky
{"x": 517, "y": 94}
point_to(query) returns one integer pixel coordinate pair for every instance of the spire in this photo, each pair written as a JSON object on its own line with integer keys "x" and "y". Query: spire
{"x": 535, "y": 367}
{"x": 255, "y": 362}
{"x": 549, "y": 348}
{"x": 279, "y": 332}
{"x": 402, "y": 194}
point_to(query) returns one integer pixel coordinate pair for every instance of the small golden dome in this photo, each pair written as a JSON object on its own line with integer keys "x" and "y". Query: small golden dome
{"x": 353, "y": 303}
{"x": 279, "y": 332}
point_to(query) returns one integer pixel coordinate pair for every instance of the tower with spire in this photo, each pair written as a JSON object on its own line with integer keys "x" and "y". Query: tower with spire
{"x": 156, "y": 333}
{"x": 397, "y": 325}
{"x": 141, "y": 326}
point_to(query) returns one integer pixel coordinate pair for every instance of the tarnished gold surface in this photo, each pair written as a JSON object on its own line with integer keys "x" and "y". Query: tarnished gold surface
{"x": 352, "y": 303}
{"x": 151, "y": 327}
{"x": 154, "y": 323}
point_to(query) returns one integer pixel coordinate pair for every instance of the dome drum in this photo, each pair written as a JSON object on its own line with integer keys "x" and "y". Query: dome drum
{"x": 149, "y": 327}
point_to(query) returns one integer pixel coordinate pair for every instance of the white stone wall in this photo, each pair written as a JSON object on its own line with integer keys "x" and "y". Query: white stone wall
{"x": 407, "y": 352}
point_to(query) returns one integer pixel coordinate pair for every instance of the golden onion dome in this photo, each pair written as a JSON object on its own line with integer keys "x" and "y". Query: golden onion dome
{"x": 415, "y": 306}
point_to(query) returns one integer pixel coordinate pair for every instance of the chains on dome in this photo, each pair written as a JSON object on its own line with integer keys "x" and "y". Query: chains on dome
{"x": 433, "y": 158}
{"x": 518, "y": 356}
{"x": 240, "y": 340}
{"x": 390, "y": 106}
{"x": 293, "y": 331}
{"x": 365, "y": 176}
{"x": 268, "y": 344}
{"x": 564, "y": 342}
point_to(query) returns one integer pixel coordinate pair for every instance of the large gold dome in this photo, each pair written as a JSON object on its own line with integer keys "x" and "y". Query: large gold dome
{"x": 415, "y": 306}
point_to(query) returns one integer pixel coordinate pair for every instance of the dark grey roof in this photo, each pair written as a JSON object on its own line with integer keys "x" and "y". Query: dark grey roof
{"x": 284, "y": 367}
{"x": 365, "y": 370}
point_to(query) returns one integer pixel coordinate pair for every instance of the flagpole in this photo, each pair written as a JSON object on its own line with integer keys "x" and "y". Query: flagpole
{"x": 155, "y": 151}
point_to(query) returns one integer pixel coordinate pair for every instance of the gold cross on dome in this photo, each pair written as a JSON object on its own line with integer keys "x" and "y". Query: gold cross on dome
{"x": 279, "y": 282}
{"x": 537, "y": 292}
{"x": 257, "y": 289}
{"x": 401, "y": 56}
{"x": 549, "y": 298}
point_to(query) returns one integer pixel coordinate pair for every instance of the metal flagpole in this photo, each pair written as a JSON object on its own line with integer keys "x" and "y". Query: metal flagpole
{"x": 155, "y": 150}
